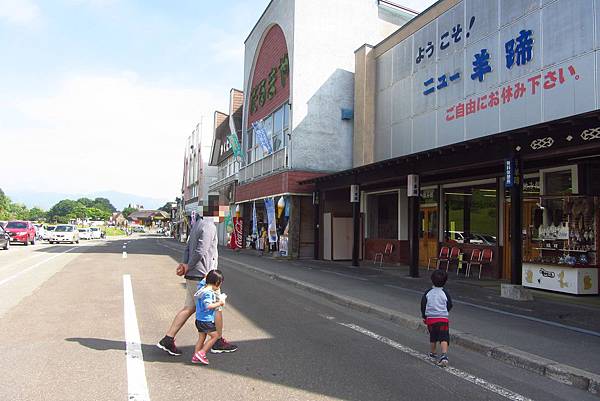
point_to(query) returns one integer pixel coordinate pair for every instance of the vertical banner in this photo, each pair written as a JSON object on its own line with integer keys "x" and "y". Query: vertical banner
{"x": 238, "y": 231}
{"x": 254, "y": 222}
{"x": 262, "y": 137}
{"x": 270, "y": 206}
{"x": 235, "y": 146}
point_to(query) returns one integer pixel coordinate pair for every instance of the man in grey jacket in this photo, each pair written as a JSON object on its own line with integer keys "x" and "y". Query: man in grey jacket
{"x": 199, "y": 257}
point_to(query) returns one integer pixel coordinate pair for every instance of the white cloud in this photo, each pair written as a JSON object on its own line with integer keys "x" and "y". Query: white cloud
{"x": 21, "y": 12}
{"x": 103, "y": 132}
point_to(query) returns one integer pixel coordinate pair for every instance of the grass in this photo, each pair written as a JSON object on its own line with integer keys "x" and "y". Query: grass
{"x": 113, "y": 231}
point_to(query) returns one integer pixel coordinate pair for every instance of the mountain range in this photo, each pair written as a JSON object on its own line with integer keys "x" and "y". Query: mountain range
{"x": 119, "y": 200}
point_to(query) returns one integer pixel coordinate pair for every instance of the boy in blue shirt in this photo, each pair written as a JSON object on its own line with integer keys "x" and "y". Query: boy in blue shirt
{"x": 207, "y": 301}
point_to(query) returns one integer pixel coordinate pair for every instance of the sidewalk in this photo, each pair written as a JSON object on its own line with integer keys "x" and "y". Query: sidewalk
{"x": 553, "y": 335}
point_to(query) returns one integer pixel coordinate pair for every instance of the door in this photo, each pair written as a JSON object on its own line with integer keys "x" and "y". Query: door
{"x": 529, "y": 253}
{"x": 428, "y": 234}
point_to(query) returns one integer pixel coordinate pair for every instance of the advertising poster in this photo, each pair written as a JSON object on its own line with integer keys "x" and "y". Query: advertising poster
{"x": 272, "y": 232}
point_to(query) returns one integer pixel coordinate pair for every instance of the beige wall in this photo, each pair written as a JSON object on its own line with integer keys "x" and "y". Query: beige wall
{"x": 365, "y": 82}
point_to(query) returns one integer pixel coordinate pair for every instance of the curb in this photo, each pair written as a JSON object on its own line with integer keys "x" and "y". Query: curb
{"x": 559, "y": 372}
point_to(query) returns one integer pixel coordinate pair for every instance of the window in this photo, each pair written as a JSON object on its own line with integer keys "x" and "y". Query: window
{"x": 471, "y": 214}
{"x": 558, "y": 183}
{"x": 277, "y": 127}
{"x": 382, "y": 216}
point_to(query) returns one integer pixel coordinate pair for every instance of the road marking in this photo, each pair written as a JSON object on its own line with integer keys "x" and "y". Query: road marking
{"x": 14, "y": 276}
{"x": 531, "y": 318}
{"x": 137, "y": 387}
{"x": 124, "y": 255}
{"x": 5, "y": 267}
{"x": 453, "y": 371}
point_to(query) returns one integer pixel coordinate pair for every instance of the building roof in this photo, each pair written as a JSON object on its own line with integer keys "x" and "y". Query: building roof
{"x": 148, "y": 214}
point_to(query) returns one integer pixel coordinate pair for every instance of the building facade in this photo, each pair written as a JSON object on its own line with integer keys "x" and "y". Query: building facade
{"x": 297, "y": 116}
{"x": 227, "y": 163}
{"x": 472, "y": 108}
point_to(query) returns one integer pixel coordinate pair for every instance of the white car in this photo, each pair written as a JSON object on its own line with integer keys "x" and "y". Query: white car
{"x": 65, "y": 233}
{"x": 48, "y": 232}
{"x": 96, "y": 233}
{"x": 39, "y": 231}
{"x": 85, "y": 233}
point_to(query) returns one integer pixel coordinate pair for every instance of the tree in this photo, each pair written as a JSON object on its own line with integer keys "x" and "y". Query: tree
{"x": 104, "y": 204}
{"x": 35, "y": 213}
{"x": 62, "y": 208}
{"x": 97, "y": 214}
{"x": 4, "y": 206}
{"x": 128, "y": 210}
{"x": 86, "y": 202}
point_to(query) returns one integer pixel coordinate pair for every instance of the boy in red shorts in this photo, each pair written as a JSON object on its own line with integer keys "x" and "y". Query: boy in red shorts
{"x": 435, "y": 305}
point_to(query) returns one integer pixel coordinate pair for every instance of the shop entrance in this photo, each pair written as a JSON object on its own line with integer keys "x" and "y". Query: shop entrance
{"x": 428, "y": 233}
{"x": 530, "y": 252}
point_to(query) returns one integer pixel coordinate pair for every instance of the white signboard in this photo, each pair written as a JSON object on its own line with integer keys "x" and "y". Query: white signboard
{"x": 482, "y": 68}
{"x": 572, "y": 280}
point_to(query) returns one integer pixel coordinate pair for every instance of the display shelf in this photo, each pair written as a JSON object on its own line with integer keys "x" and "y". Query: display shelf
{"x": 564, "y": 250}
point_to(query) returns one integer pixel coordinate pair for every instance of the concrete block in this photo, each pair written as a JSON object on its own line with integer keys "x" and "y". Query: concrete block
{"x": 472, "y": 342}
{"x": 594, "y": 387}
{"x": 522, "y": 359}
{"x": 569, "y": 375}
{"x": 516, "y": 292}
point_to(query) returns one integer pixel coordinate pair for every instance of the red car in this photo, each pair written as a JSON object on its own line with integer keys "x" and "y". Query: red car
{"x": 21, "y": 231}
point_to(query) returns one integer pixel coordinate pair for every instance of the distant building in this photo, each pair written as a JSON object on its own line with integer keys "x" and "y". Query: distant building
{"x": 222, "y": 157}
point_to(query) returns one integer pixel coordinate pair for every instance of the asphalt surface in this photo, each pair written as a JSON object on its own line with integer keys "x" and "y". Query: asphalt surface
{"x": 64, "y": 339}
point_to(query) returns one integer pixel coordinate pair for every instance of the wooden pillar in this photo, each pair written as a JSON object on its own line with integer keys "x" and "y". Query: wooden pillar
{"x": 316, "y": 220}
{"x": 516, "y": 222}
{"x": 413, "y": 191}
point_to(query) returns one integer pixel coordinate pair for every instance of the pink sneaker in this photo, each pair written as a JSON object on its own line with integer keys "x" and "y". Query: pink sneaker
{"x": 200, "y": 357}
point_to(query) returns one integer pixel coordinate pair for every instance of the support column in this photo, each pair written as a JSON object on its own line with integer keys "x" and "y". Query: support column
{"x": 316, "y": 223}
{"x": 516, "y": 222}
{"x": 355, "y": 199}
{"x": 414, "y": 190}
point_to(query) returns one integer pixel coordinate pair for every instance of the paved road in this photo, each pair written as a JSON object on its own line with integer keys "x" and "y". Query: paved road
{"x": 67, "y": 311}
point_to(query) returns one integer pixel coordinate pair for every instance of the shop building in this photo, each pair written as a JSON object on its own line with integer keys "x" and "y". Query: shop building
{"x": 467, "y": 110}
{"x": 224, "y": 158}
{"x": 299, "y": 86}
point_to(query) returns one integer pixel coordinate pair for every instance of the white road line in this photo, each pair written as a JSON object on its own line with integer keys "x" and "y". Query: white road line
{"x": 124, "y": 255}
{"x": 5, "y": 267}
{"x": 453, "y": 371}
{"x": 137, "y": 387}
{"x": 20, "y": 273}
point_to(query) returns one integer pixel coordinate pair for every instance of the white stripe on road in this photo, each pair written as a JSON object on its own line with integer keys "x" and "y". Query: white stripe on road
{"x": 14, "y": 276}
{"x": 137, "y": 387}
{"x": 124, "y": 255}
{"x": 5, "y": 267}
{"x": 456, "y": 372}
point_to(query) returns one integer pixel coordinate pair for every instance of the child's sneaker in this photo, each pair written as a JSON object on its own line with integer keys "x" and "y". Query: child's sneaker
{"x": 443, "y": 361}
{"x": 200, "y": 357}
{"x": 433, "y": 356}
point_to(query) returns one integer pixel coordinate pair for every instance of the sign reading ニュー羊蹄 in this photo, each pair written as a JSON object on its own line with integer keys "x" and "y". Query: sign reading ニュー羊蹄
{"x": 482, "y": 68}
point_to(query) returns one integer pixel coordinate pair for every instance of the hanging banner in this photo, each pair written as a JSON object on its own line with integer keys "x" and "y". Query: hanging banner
{"x": 235, "y": 146}
{"x": 254, "y": 222}
{"x": 272, "y": 232}
{"x": 262, "y": 137}
{"x": 237, "y": 234}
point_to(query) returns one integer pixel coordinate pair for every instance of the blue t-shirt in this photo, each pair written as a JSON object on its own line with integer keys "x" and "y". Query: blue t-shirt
{"x": 204, "y": 297}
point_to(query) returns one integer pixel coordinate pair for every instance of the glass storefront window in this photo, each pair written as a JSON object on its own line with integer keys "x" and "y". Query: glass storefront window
{"x": 382, "y": 216}
{"x": 471, "y": 215}
{"x": 277, "y": 127}
{"x": 558, "y": 183}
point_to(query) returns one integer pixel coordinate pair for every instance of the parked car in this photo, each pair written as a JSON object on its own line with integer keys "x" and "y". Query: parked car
{"x": 48, "y": 232}
{"x": 39, "y": 231}
{"x": 4, "y": 239}
{"x": 65, "y": 233}
{"x": 96, "y": 233}
{"x": 3, "y": 223}
{"x": 21, "y": 231}
{"x": 85, "y": 233}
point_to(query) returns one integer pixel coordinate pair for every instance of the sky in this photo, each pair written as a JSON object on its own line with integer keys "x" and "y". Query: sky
{"x": 101, "y": 94}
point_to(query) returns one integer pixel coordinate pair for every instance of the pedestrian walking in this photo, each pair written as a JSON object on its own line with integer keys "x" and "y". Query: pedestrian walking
{"x": 200, "y": 256}
{"x": 208, "y": 300}
{"x": 435, "y": 307}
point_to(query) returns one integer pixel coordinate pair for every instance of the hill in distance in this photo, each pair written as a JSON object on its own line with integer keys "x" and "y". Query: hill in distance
{"x": 119, "y": 200}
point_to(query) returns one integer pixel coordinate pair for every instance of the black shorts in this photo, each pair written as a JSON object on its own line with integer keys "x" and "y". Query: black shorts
{"x": 439, "y": 332}
{"x": 205, "y": 327}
